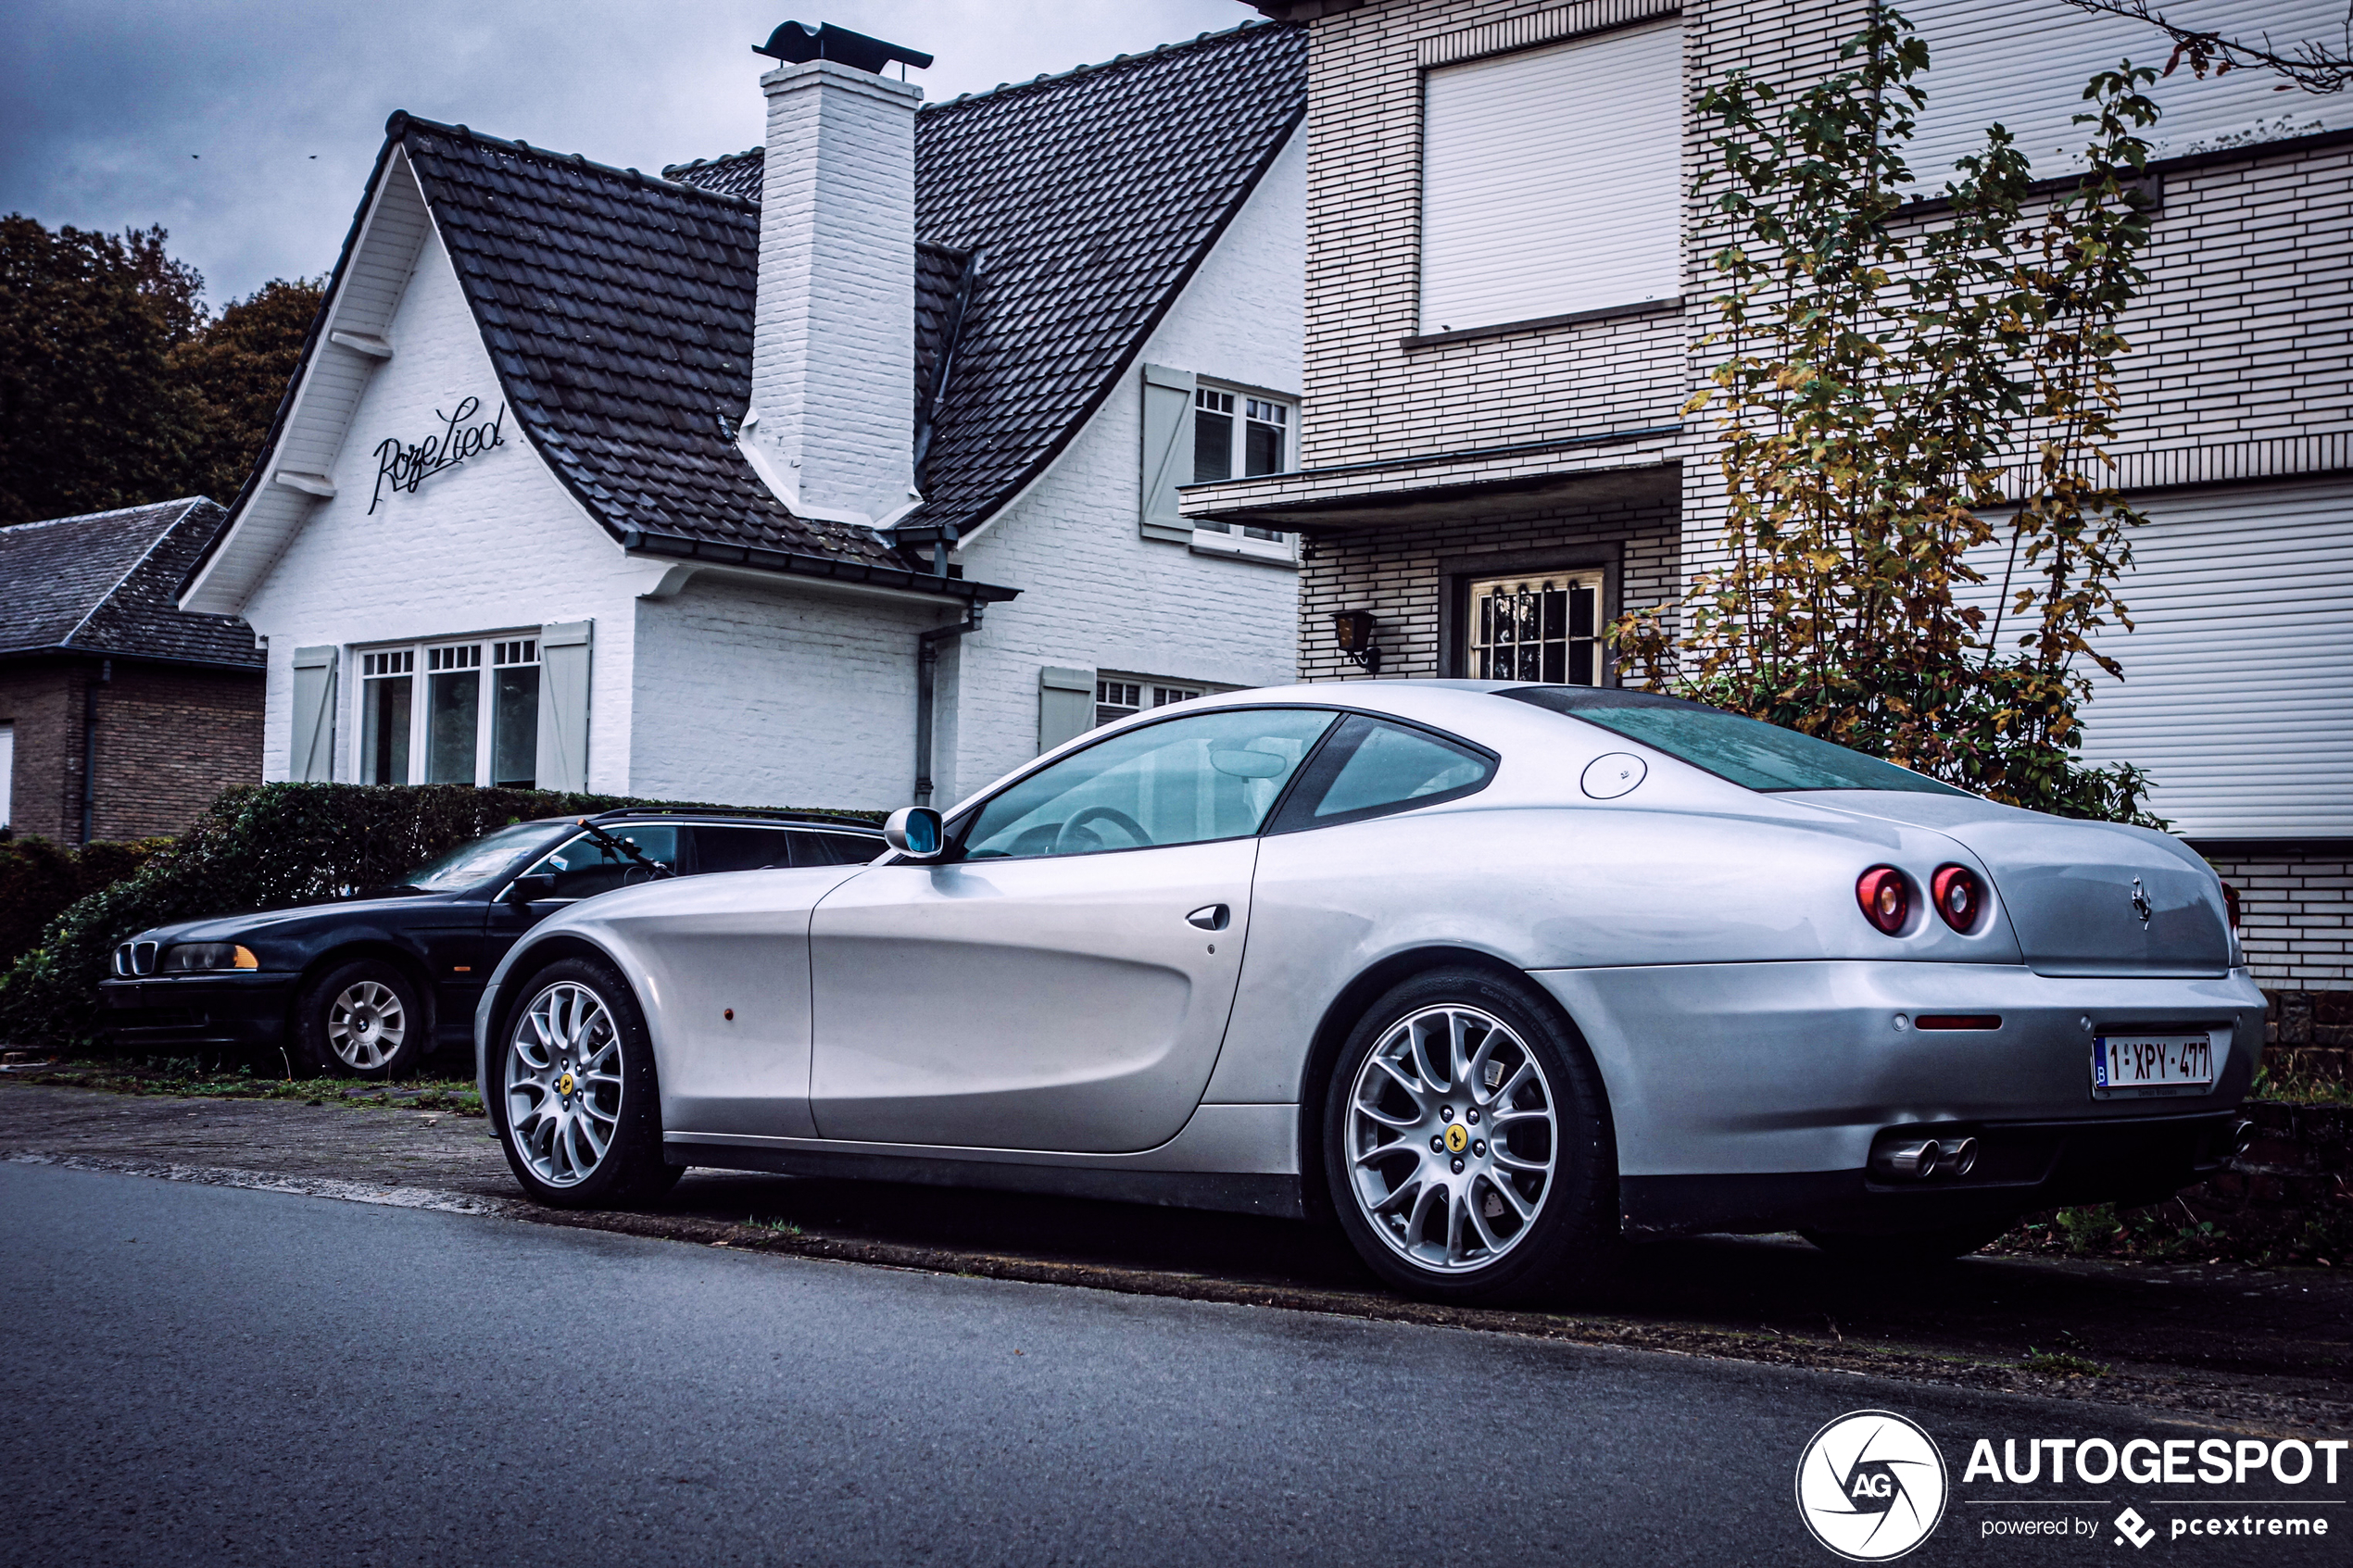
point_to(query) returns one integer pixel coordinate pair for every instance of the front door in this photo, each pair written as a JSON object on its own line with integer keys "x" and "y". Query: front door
{"x": 1065, "y": 983}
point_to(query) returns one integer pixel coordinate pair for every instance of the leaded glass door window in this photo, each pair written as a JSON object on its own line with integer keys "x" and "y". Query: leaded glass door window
{"x": 1537, "y": 626}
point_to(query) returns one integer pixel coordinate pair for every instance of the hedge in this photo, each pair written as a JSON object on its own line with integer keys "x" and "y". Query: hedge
{"x": 256, "y": 847}
{"x": 38, "y": 878}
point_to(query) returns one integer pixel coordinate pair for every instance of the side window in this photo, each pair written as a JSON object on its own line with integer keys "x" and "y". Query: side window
{"x": 585, "y": 867}
{"x": 834, "y": 848}
{"x": 1372, "y": 768}
{"x": 1212, "y": 775}
{"x": 741, "y": 848}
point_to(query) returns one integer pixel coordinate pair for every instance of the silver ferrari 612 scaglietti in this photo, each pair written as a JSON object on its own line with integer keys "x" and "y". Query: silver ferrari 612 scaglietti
{"x": 1494, "y": 974}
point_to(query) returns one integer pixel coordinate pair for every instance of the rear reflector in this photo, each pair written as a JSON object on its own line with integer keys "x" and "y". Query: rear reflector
{"x": 1957, "y": 1020}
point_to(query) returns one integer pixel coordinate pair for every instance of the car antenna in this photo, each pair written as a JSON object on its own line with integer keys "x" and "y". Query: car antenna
{"x": 610, "y": 842}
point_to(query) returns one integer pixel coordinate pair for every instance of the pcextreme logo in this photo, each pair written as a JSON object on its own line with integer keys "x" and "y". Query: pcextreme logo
{"x": 1872, "y": 1485}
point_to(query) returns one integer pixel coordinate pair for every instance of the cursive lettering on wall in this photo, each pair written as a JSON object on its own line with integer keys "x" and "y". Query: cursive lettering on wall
{"x": 407, "y": 467}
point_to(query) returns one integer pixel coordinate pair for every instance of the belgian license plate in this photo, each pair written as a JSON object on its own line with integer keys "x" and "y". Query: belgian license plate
{"x": 2123, "y": 1063}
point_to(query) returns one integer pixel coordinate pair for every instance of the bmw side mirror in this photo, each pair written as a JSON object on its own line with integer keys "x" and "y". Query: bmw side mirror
{"x": 915, "y": 831}
{"x": 529, "y": 889}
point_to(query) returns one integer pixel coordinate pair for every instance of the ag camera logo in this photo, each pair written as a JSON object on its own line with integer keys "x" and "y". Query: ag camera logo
{"x": 1872, "y": 1485}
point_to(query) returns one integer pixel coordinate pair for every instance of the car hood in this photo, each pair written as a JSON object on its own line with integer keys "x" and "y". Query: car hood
{"x": 2069, "y": 886}
{"x": 265, "y": 923}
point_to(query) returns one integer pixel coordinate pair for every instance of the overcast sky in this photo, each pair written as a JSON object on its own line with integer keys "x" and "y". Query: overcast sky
{"x": 248, "y": 126}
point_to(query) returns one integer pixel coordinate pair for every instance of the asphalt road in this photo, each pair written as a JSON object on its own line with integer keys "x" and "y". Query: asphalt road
{"x": 193, "y": 1373}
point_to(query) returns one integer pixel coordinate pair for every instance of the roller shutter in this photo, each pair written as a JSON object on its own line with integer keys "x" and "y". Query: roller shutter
{"x": 2025, "y": 63}
{"x": 1552, "y": 179}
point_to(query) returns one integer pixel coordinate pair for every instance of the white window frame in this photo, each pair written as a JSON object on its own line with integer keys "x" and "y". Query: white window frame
{"x": 485, "y": 654}
{"x": 1243, "y": 405}
{"x": 1139, "y": 694}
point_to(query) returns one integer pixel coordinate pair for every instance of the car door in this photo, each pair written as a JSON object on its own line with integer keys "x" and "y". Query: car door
{"x": 1063, "y": 981}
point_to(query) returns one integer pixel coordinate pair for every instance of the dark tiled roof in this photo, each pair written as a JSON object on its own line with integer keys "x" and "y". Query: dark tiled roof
{"x": 104, "y": 582}
{"x": 618, "y": 311}
{"x": 1089, "y": 198}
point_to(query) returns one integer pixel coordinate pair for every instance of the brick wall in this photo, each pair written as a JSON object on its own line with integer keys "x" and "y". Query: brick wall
{"x": 42, "y": 699}
{"x": 2295, "y": 913}
{"x": 170, "y": 739}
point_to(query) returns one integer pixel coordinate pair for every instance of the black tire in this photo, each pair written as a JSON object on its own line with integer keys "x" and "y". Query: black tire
{"x": 548, "y": 1115}
{"x": 363, "y": 1019}
{"x": 1570, "y": 1239}
{"x": 1907, "y": 1248}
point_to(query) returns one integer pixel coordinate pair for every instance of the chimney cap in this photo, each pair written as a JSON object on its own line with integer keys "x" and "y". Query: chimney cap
{"x": 798, "y": 44}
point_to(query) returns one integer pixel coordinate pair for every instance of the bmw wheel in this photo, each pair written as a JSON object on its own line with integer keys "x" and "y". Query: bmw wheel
{"x": 363, "y": 1019}
{"x": 1466, "y": 1143}
{"x": 578, "y": 1109}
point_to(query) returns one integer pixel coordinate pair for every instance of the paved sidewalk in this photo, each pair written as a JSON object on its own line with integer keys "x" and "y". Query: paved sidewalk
{"x": 2272, "y": 1348}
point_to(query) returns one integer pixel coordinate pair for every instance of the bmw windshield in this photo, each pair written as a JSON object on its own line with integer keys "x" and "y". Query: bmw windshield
{"x": 488, "y": 857}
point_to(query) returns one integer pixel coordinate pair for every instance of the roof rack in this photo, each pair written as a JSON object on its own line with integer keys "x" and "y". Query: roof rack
{"x": 817, "y": 817}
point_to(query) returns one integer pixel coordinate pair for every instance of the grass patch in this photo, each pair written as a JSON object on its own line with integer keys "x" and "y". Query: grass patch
{"x": 2294, "y": 1078}
{"x": 190, "y": 1077}
{"x": 2062, "y": 1363}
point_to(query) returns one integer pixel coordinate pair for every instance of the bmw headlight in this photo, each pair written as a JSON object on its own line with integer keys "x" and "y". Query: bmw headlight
{"x": 191, "y": 958}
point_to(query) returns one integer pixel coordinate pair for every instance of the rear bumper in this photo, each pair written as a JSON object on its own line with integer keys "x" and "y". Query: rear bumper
{"x": 200, "y": 1009}
{"x": 1793, "y": 1070}
{"x": 2021, "y": 1167}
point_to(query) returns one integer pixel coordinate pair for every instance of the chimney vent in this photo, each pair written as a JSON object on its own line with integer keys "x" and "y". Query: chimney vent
{"x": 798, "y": 44}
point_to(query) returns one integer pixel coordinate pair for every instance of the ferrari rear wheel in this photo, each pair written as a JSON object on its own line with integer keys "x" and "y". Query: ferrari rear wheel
{"x": 579, "y": 1110}
{"x": 1465, "y": 1143}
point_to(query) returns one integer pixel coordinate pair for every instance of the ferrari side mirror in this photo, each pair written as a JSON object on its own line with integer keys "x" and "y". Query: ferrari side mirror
{"x": 915, "y": 831}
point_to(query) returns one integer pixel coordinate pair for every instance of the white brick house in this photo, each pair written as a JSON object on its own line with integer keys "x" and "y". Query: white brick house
{"x": 1505, "y": 290}
{"x": 816, "y": 474}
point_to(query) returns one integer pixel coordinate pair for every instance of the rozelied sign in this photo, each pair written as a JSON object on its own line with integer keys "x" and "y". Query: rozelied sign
{"x": 407, "y": 467}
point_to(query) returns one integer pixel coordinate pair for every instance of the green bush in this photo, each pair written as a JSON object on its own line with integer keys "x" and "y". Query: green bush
{"x": 38, "y": 878}
{"x": 258, "y": 847}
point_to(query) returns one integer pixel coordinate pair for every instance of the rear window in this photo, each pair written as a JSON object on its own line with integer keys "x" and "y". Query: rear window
{"x": 1748, "y": 752}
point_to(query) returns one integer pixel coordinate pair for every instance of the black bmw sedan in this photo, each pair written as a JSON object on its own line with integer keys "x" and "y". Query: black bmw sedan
{"x": 369, "y": 985}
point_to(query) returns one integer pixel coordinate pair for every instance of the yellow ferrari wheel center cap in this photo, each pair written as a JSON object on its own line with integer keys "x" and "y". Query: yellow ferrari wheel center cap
{"x": 564, "y": 1085}
{"x": 1457, "y": 1137}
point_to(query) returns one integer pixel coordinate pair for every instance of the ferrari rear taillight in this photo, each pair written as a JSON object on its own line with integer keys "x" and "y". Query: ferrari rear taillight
{"x": 2231, "y": 904}
{"x": 1886, "y": 898}
{"x": 1958, "y": 894}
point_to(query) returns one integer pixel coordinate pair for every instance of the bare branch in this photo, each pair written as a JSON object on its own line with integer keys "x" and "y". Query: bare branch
{"x": 2311, "y": 64}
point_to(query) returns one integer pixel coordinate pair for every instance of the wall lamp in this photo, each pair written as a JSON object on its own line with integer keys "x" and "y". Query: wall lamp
{"x": 1357, "y": 634}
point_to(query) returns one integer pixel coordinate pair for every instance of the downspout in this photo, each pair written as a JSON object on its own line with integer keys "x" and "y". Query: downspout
{"x": 90, "y": 745}
{"x": 927, "y": 678}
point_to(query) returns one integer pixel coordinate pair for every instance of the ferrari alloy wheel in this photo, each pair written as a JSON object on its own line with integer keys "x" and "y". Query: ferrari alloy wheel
{"x": 1450, "y": 1138}
{"x": 563, "y": 1083}
{"x": 578, "y": 1109}
{"x": 1467, "y": 1145}
{"x": 363, "y": 1019}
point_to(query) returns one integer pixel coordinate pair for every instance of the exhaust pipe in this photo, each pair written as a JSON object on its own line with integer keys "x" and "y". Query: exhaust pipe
{"x": 2243, "y": 1138}
{"x": 1920, "y": 1159}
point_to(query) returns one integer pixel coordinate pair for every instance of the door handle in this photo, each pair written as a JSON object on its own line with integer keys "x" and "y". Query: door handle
{"x": 1211, "y": 917}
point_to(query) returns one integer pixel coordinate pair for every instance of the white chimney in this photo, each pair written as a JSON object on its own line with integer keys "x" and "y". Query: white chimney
{"x": 831, "y": 427}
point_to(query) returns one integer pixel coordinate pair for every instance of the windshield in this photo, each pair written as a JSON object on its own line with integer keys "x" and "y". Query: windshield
{"x": 485, "y": 858}
{"x": 1747, "y": 751}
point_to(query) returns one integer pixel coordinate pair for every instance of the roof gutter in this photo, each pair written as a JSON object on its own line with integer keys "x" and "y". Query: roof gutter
{"x": 790, "y": 563}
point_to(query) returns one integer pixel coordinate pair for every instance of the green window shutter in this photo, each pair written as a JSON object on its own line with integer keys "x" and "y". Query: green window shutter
{"x": 1168, "y": 453}
{"x": 1066, "y": 705}
{"x": 311, "y": 756}
{"x": 563, "y": 706}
